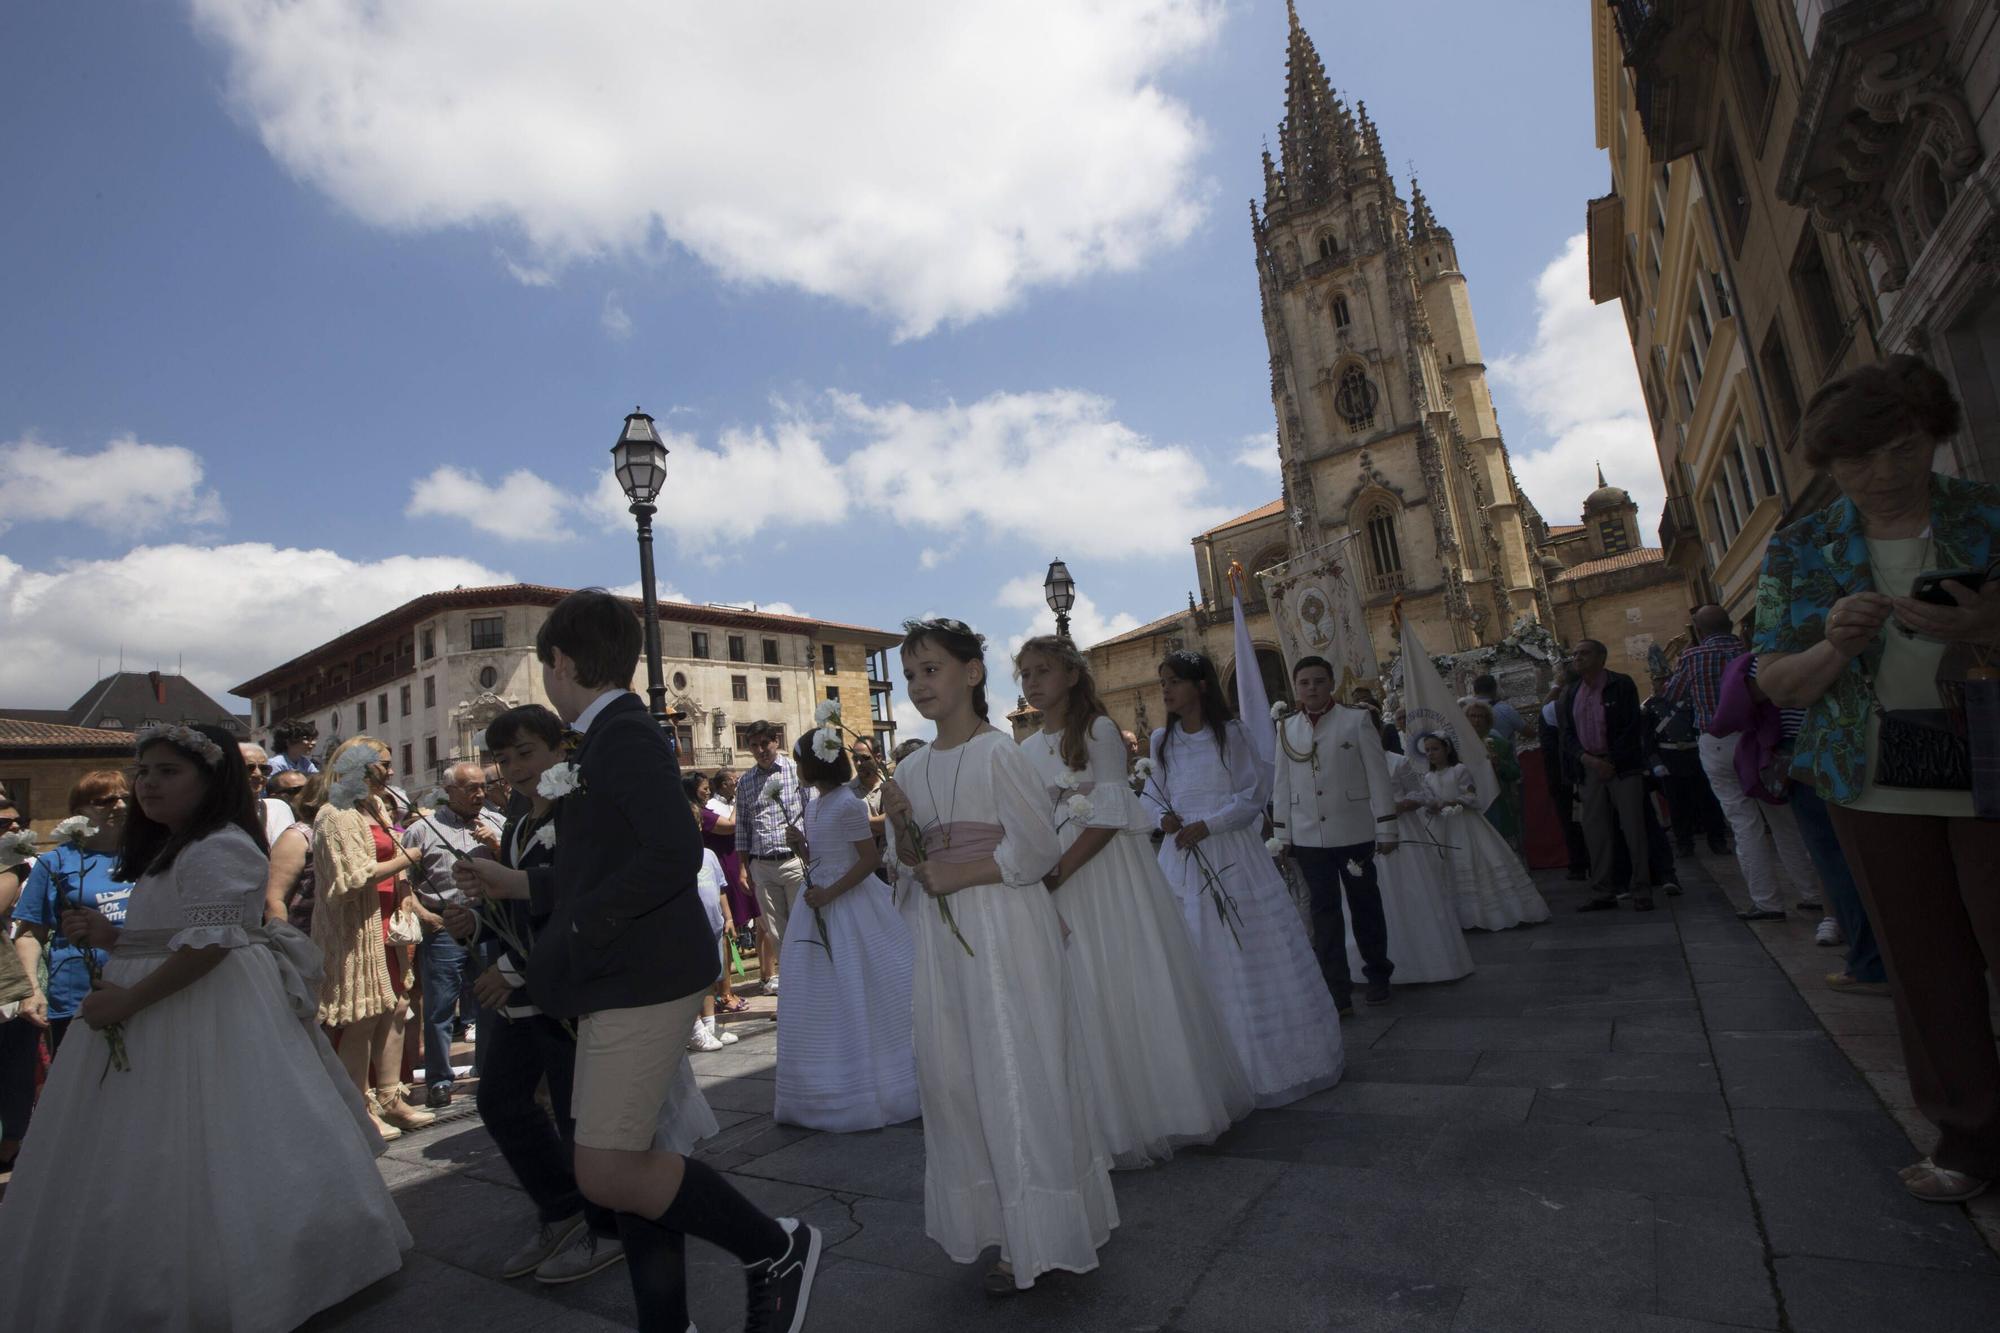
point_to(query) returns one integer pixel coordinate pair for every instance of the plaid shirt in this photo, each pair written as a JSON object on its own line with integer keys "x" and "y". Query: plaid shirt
{"x": 1698, "y": 680}
{"x": 760, "y": 825}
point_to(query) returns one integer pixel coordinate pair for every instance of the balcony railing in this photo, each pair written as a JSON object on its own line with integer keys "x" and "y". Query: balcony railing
{"x": 1386, "y": 585}
{"x": 1678, "y": 525}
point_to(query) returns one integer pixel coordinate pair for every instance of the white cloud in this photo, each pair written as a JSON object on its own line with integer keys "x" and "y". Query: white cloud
{"x": 929, "y": 162}
{"x": 1259, "y": 453}
{"x": 126, "y": 487}
{"x": 779, "y": 477}
{"x": 1581, "y": 389}
{"x": 521, "y": 507}
{"x": 1052, "y": 467}
{"x": 1087, "y": 624}
{"x": 229, "y": 612}
{"x": 528, "y": 275}
{"x": 614, "y": 319}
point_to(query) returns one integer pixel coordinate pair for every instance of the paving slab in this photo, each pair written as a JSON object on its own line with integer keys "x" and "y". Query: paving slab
{"x": 1615, "y": 1123}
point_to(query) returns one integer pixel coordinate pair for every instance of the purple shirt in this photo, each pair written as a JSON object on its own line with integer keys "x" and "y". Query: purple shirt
{"x": 1587, "y": 713}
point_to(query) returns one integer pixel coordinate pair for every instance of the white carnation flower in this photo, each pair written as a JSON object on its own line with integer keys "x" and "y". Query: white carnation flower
{"x": 1274, "y": 845}
{"x": 1354, "y": 869}
{"x": 1080, "y": 806}
{"x": 559, "y": 781}
{"x": 545, "y": 836}
{"x": 1070, "y": 780}
{"x": 827, "y": 711}
{"x": 826, "y": 744}
{"x": 76, "y": 828}
{"x": 1142, "y": 769}
{"x": 1279, "y": 710}
{"x": 16, "y": 847}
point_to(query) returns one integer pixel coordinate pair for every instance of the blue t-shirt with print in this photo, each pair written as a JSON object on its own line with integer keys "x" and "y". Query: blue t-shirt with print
{"x": 61, "y": 871}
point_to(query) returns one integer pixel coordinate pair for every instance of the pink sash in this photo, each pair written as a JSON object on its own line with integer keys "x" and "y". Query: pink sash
{"x": 969, "y": 841}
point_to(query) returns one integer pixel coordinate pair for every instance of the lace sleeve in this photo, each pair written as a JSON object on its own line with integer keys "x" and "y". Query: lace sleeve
{"x": 220, "y": 881}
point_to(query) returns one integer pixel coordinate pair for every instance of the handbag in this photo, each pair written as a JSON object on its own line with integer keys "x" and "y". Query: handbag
{"x": 404, "y": 928}
{"x": 1918, "y": 748}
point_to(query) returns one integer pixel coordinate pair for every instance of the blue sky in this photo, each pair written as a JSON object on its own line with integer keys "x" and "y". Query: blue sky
{"x": 309, "y": 309}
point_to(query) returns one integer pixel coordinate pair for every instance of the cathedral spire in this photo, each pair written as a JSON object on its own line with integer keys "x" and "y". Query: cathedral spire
{"x": 1600, "y": 476}
{"x": 1306, "y": 137}
{"x": 1423, "y": 222}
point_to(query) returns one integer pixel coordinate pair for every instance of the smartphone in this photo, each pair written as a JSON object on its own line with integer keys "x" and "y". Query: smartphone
{"x": 1930, "y": 587}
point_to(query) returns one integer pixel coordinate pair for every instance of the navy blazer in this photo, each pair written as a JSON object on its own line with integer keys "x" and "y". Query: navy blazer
{"x": 626, "y": 927}
{"x": 1624, "y": 728}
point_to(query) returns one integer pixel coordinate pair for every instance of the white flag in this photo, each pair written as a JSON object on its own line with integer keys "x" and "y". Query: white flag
{"x": 1253, "y": 702}
{"x": 1430, "y": 709}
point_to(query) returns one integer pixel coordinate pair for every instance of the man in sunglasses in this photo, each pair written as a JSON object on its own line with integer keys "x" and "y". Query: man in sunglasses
{"x": 276, "y": 815}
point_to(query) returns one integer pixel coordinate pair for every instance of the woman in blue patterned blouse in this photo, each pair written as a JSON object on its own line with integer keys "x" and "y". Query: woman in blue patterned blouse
{"x": 1840, "y": 635}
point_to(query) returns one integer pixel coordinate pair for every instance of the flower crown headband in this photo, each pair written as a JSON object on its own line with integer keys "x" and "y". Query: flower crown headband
{"x": 184, "y": 738}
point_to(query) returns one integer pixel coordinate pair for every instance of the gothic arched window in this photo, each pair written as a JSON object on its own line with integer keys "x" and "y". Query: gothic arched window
{"x": 1384, "y": 552}
{"x": 1341, "y": 318}
{"x": 1327, "y": 245}
{"x": 1355, "y": 399}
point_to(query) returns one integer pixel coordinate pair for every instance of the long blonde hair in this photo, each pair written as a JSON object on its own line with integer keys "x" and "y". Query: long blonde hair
{"x": 1082, "y": 707}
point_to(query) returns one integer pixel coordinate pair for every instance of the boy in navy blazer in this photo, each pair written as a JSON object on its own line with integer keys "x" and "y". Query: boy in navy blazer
{"x": 627, "y": 953}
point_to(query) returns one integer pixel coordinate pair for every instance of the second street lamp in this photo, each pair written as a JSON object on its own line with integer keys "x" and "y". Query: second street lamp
{"x": 639, "y": 460}
{"x": 1060, "y": 590}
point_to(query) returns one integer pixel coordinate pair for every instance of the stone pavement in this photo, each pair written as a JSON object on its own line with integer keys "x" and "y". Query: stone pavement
{"x": 1621, "y": 1121}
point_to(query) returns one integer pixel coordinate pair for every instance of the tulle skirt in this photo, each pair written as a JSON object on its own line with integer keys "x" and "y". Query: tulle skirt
{"x": 225, "y": 1181}
{"x": 1163, "y": 1067}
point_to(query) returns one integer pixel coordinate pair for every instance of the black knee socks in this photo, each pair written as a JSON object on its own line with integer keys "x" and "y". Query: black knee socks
{"x": 709, "y": 1207}
{"x": 655, "y": 1257}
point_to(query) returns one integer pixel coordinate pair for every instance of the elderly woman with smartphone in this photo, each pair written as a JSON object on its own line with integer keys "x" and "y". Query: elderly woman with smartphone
{"x": 1869, "y": 615}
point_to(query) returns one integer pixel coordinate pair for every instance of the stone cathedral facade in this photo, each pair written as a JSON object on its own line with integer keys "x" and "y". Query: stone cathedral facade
{"x": 1385, "y": 425}
{"x": 1386, "y": 429}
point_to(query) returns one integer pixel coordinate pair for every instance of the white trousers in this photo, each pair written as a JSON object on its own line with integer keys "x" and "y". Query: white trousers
{"x": 1767, "y": 836}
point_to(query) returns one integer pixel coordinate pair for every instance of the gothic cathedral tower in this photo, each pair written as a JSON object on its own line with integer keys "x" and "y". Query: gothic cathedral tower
{"x": 1385, "y": 425}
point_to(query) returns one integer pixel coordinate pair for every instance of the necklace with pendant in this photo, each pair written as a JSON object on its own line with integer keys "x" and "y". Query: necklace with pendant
{"x": 956, "y": 773}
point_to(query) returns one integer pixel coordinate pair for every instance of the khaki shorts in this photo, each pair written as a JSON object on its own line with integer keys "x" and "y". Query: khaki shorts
{"x": 625, "y": 1059}
{"x": 778, "y": 885}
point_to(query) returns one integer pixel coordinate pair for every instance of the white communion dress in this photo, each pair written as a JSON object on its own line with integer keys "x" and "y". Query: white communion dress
{"x": 1487, "y": 881}
{"x": 226, "y": 1180}
{"x": 1165, "y": 1072}
{"x": 1252, "y": 945}
{"x": 1425, "y": 938}
{"x": 1011, "y": 1155}
{"x": 845, "y": 1059}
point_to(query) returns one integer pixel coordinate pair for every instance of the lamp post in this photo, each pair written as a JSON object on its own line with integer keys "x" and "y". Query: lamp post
{"x": 1060, "y": 590}
{"x": 639, "y": 460}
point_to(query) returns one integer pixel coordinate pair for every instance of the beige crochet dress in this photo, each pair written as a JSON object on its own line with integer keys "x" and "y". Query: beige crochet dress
{"x": 347, "y": 920}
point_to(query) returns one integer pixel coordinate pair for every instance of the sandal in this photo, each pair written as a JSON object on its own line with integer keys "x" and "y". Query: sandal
{"x": 1940, "y": 1184}
{"x": 735, "y": 1004}
{"x": 999, "y": 1280}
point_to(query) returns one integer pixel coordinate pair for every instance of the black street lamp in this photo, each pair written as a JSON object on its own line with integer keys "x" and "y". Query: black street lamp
{"x": 639, "y": 460}
{"x": 1060, "y": 590}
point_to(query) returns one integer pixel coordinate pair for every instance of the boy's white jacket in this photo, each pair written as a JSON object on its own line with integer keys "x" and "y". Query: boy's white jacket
{"x": 1344, "y": 800}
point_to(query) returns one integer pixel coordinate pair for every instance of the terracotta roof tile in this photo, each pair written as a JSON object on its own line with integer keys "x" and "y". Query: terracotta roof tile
{"x": 55, "y": 735}
{"x": 1645, "y": 555}
{"x": 1261, "y": 511}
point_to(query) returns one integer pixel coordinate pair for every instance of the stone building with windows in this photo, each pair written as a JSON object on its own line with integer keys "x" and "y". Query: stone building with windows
{"x": 1798, "y": 187}
{"x": 427, "y": 677}
{"x": 1738, "y": 308}
{"x": 1391, "y": 457}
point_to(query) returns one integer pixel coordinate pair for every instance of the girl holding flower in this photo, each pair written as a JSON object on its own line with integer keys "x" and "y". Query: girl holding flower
{"x": 845, "y": 1060}
{"x": 229, "y": 1168}
{"x": 1012, "y": 1156}
{"x": 1165, "y": 1070}
{"x": 1487, "y": 881}
{"x": 1208, "y": 792}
